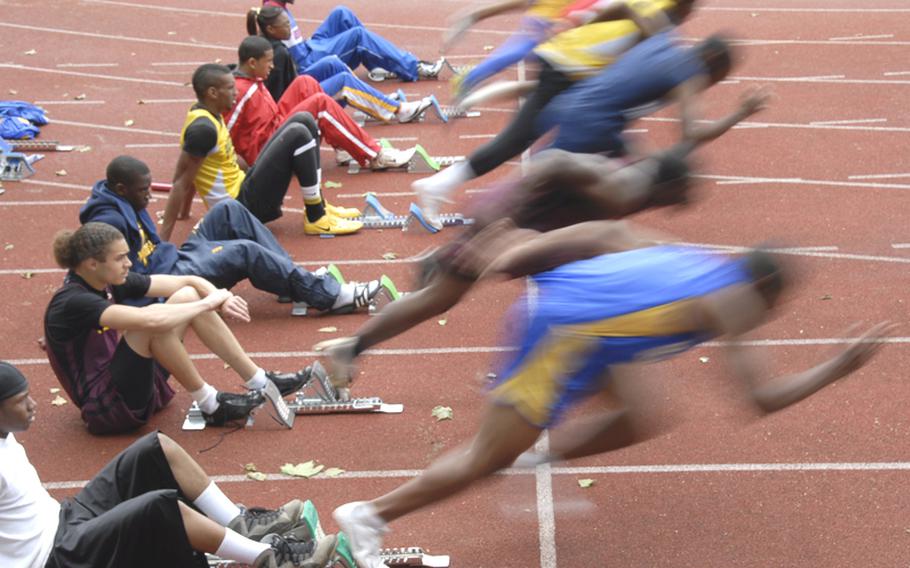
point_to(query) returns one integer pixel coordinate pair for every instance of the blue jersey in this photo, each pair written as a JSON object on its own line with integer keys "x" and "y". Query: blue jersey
{"x": 592, "y": 114}
{"x": 611, "y": 309}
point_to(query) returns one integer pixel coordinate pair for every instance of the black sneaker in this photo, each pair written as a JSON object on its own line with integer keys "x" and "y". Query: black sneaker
{"x": 255, "y": 523}
{"x": 286, "y": 552}
{"x": 289, "y": 383}
{"x": 233, "y": 407}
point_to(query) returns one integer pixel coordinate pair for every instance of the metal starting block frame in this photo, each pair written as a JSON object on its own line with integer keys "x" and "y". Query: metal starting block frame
{"x": 41, "y": 146}
{"x": 282, "y": 412}
{"x": 14, "y": 165}
{"x": 420, "y": 163}
{"x": 375, "y": 216}
{"x": 317, "y": 396}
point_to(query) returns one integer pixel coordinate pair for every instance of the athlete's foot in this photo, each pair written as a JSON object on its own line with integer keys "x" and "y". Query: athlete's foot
{"x": 430, "y": 69}
{"x": 365, "y": 530}
{"x": 431, "y": 197}
{"x": 392, "y": 158}
{"x": 342, "y": 212}
{"x": 410, "y": 111}
{"x": 331, "y": 225}
{"x": 355, "y": 296}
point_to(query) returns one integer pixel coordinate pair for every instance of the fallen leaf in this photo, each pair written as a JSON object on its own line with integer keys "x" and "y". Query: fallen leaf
{"x": 80, "y": 97}
{"x": 84, "y": 149}
{"x": 488, "y": 48}
{"x": 140, "y": 102}
{"x": 333, "y": 472}
{"x": 332, "y": 184}
{"x": 60, "y": 173}
{"x": 389, "y": 255}
{"x": 13, "y": 92}
{"x": 306, "y": 469}
{"x": 704, "y": 359}
{"x": 27, "y": 275}
{"x": 256, "y": 475}
{"x": 585, "y": 483}
{"x": 31, "y": 52}
{"x": 171, "y": 33}
{"x": 217, "y": 60}
{"x": 59, "y": 401}
{"x": 250, "y": 467}
{"x": 54, "y": 390}
{"x": 442, "y": 413}
{"x": 9, "y": 247}
{"x": 825, "y": 297}
{"x": 226, "y": 366}
{"x": 443, "y": 321}
{"x": 327, "y": 329}
{"x": 128, "y": 122}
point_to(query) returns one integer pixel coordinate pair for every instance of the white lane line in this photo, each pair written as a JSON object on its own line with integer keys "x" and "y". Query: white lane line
{"x": 833, "y": 79}
{"x": 900, "y": 245}
{"x": 81, "y": 187}
{"x": 853, "y": 121}
{"x": 54, "y": 103}
{"x": 151, "y": 145}
{"x": 794, "y": 125}
{"x": 806, "y": 10}
{"x": 880, "y": 176}
{"x": 179, "y": 63}
{"x": 400, "y": 193}
{"x": 782, "y": 467}
{"x": 80, "y": 65}
{"x": 209, "y": 13}
{"x": 807, "y": 342}
{"x": 895, "y": 73}
{"x": 862, "y": 37}
{"x": 42, "y": 203}
{"x": 117, "y": 37}
{"x": 166, "y": 101}
{"x": 90, "y": 75}
{"x": 114, "y": 128}
{"x": 733, "y": 180}
{"x": 476, "y": 136}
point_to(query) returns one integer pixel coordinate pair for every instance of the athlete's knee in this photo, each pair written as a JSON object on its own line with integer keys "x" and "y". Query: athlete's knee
{"x": 307, "y": 84}
{"x": 168, "y": 446}
{"x": 302, "y": 124}
{"x": 184, "y": 295}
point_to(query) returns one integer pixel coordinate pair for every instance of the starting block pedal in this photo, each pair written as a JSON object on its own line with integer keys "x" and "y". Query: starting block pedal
{"x": 407, "y": 556}
{"x": 421, "y": 162}
{"x": 389, "y": 292}
{"x": 41, "y": 146}
{"x": 14, "y": 165}
{"x": 375, "y": 216}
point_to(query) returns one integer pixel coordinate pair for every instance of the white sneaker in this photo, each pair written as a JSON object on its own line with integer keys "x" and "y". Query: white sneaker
{"x": 378, "y": 75}
{"x": 430, "y": 198}
{"x": 392, "y": 158}
{"x": 430, "y": 69}
{"x": 365, "y": 530}
{"x": 342, "y": 157}
{"x": 411, "y": 111}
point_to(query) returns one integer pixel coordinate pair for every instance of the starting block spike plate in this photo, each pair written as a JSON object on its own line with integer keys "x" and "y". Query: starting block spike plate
{"x": 283, "y": 414}
{"x": 374, "y": 208}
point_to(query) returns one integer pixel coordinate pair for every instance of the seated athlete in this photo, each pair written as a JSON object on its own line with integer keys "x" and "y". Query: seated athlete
{"x": 256, "y": 116}
{"x": 114, "y": 360}
{"x": 567, "y": 59}
{"x": 559, "y": 189}
{"x": 335, "y": 78}
{"x": 612, "y": 304}
{"x": 344, "y": 35}
{"x": 227, "y": 246}
{"x": 151, "y": 506}
{"x": 208, "y": 164}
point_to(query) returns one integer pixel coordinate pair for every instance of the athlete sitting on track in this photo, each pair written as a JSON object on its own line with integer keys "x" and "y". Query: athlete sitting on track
{"x": 151, "y": 506}
{"x": 114, "y": 360}
{"x": 208, "y": 164}
{"x": 256, "y": 116}
{"x": 335, "y": 78}
{"x": 227, "y": 246}
{"x": 560, "y": 189}
{"x": 342, "y": 34}
{"x": 611, "y": 304}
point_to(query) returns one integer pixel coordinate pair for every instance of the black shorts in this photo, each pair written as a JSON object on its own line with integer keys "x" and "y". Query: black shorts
{"x": 127, "y": 516}
{"x": 134, "y": 376}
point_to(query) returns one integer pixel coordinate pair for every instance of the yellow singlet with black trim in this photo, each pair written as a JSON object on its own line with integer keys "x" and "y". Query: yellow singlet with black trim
{"x": 220, "y": 176}
{"x": 548, "y": 9}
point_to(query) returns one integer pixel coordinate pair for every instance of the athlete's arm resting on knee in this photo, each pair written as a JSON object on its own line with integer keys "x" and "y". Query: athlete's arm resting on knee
{"x": 157, "y": 318}
{"x": 182, "y": 190}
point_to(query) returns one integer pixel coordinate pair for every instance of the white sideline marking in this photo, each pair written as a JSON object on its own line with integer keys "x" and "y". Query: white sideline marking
{"x": 476, "y": 136}
{"x": 862, "y": 37}
{"x": 591, "y": 470}
{"x": 82, "y": 187}
{"x": 853, "y": 121}
{"x": 900, "y": 245}
{"x": 807, "y": 342}
{"x": 29, "y": 203}
{"x": 836, "y": 79}
{"x": 749, "y": 124}
{"x": 879, "y": 176}
{"x": 299, "y": 20}
{"x": 162, "y": 145}
{"x": 166, "y": 101}
{"x": 546, "y": 516}
{"x": 118, "y": 37}
{"x": 90, "y": 75}
{"x": 733, "y": 180}
{"x": 808, "y": 10}
{"x": 115, "y": 128}
{"x": 895, "y": 73}
{"x": 52, "y": 103}
{"x": 179, "y": 63}
{"x": 80, "y": 65}
{"x": 761, "y": 42}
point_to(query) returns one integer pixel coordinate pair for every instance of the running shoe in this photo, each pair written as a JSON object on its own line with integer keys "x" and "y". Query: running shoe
{"x": 392, "y": 158}
{"x": 342, "y": 212}
{"x": 257, "y": 522}
{"x": 430, "y": 69}
{"x": 411, "y": 111}
{"x": 288, "y": 383}
{"x": 331, "y": 225}
{"x": 286, "y": 552}
{"x": 362, "y": 294}
{"x": 233, "y": 407}
{"x": 431, "y": 201}
{"x": 378, "y": 75}
{"x": 365, "y": 529}
{"x": 342, "y": 157}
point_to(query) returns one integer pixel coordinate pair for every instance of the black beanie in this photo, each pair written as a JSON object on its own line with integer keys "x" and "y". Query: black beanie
{"x": 12, "y": 381}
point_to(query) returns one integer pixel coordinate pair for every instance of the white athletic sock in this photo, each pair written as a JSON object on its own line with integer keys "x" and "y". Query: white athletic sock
{"x": 206, "y": 398}
{"x": 239, "y": 548}
{"x": 258, "y": 380}
{"x": 345, "y": 295}
{"x": 215, "y": 505}
{"x": 447, "y": 180}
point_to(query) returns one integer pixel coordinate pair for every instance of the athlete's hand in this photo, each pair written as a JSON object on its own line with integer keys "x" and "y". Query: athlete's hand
{"x": 861, "y": 349}
{"x": 457, "y": 28}
{"x": 237, "y": 308}
{"x": 754, "y": 100}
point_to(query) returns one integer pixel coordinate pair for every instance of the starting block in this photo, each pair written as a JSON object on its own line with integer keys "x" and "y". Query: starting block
{"x": 283, "y": 414}
{"x": 375, "y": 216}
{"x": 14, "y": 165}
{"x": 317, "y": 396}
{"x": 42, "y": 146}
{"x": 421, "y": 162}
{"x": 442, "y": 112}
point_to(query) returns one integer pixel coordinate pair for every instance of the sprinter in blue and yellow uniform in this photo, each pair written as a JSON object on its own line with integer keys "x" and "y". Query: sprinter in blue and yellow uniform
{"x": 614, "y": 302}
